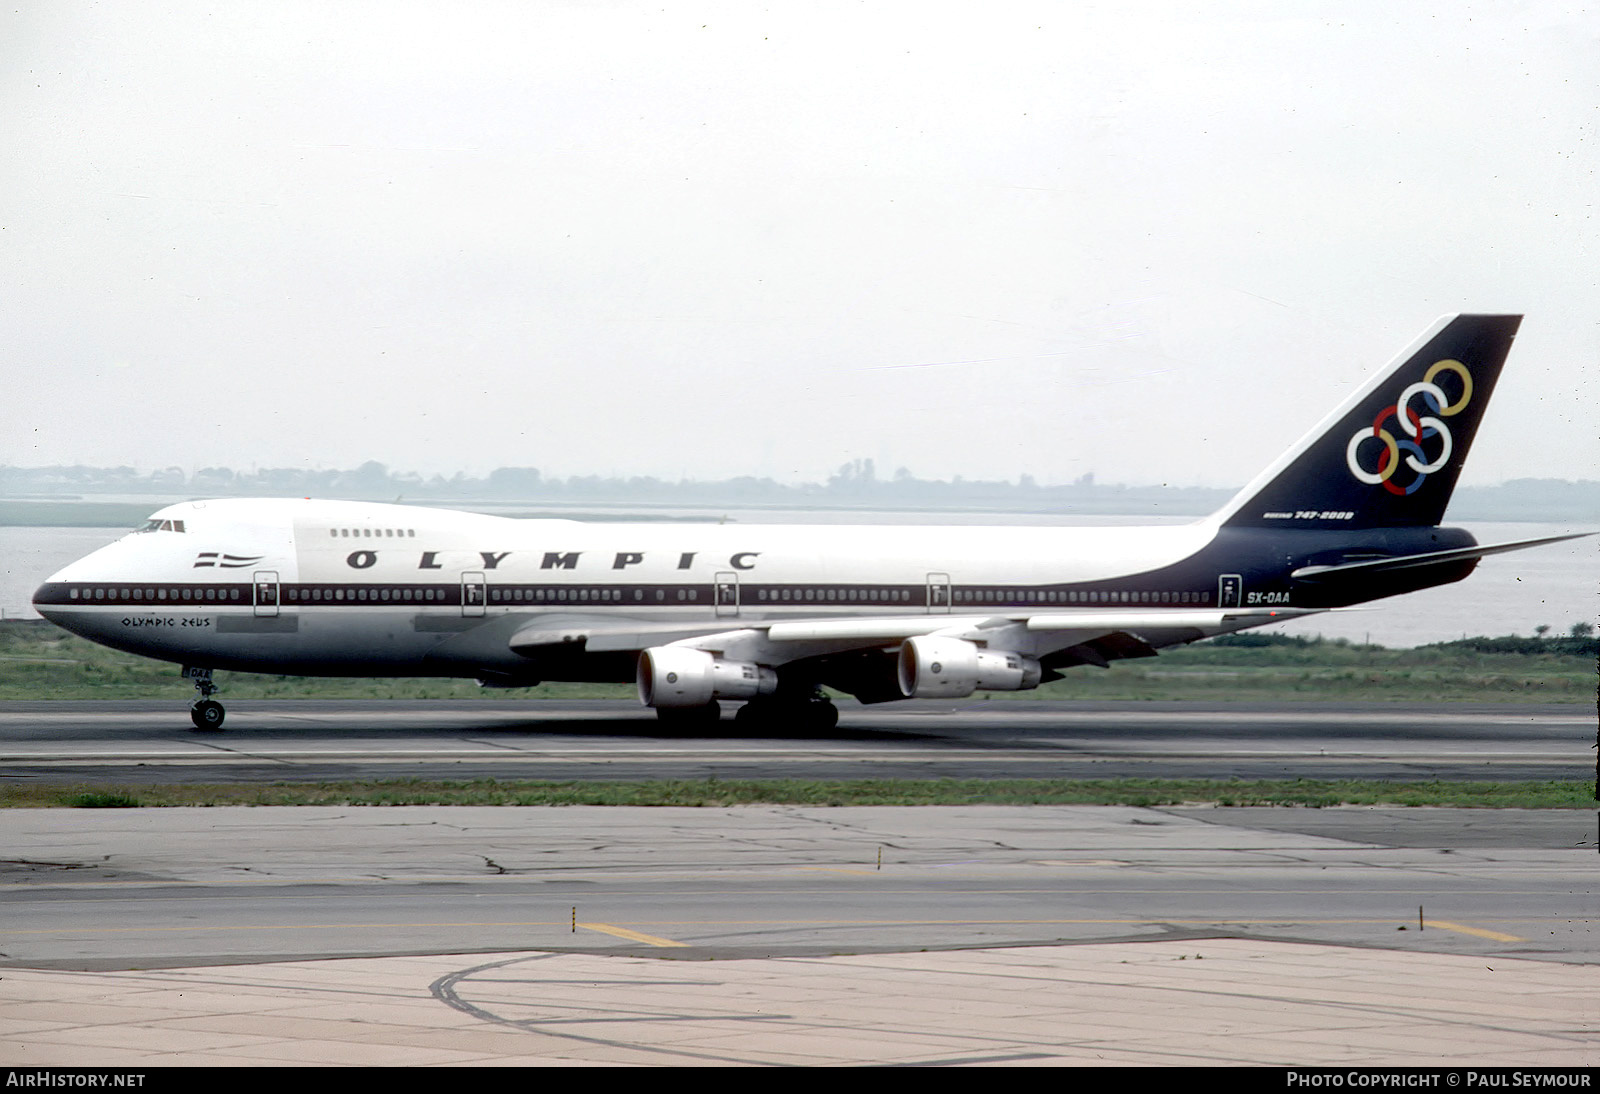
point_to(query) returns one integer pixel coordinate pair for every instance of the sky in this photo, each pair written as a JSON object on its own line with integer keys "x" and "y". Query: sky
{"x": 1151, "y": 241}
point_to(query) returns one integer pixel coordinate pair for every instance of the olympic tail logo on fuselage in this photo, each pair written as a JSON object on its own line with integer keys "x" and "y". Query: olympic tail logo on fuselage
{"x": 1420, "y": 432}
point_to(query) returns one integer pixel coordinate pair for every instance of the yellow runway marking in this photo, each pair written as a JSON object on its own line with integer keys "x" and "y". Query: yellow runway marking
{"x": 712, "y": 924}
{"x": 1496, "y": 936}
{"x": 631, "y": 936}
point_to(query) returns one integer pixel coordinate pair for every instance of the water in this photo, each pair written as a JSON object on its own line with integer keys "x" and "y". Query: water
{"x": 1557, "y": 585}
{"x": 29, "y": 555}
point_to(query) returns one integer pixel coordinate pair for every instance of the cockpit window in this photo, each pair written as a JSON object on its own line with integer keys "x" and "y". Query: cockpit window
{"x": 154, "y": 525}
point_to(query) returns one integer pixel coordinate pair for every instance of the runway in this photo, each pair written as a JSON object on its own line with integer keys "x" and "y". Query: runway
{"x": 1158, "y": 1004}
{"x": 134, "y": 742}
{"x": 147, "y": 887}
{"x": 951, "y": 935}
{"x": 774, "y": 935}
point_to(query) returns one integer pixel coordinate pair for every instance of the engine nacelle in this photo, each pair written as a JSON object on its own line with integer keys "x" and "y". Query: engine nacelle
{"x": 950, "y": 668}
{"x": 679, "y": 676}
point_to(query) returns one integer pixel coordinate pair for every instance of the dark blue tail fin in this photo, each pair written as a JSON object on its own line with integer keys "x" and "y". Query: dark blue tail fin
{"x": 1390, "y": 456}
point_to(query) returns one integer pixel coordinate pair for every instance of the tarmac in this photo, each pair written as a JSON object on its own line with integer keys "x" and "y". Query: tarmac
{"x": 1156, "y": 1003}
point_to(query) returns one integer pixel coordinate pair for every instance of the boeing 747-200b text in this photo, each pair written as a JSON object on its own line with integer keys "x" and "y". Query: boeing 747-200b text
{"x": 771, "y": 615}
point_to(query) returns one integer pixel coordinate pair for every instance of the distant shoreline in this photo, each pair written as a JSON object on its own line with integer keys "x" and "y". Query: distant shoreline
{"x": 1543, "y": 501}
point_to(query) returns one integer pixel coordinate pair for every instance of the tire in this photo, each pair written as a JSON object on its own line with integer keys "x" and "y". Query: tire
{"x": 686, "y": 719}
{"x": 207, "y": 715}
{"x": 822, "y": 718}
{"x": 806, "y": 718}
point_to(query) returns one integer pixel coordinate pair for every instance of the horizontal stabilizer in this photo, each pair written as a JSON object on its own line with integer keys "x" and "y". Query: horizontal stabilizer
{"x": 1430, "y": 558}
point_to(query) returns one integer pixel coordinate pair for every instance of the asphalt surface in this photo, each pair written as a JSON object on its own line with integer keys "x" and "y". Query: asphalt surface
{"x": 796, "y": 935}
{"x": 143, "y": 742}
{"x": 172, "y": 887}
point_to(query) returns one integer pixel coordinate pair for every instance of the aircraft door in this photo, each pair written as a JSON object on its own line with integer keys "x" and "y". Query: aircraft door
{"x": 266, "y": 593}
{"x": 938, "y": 594}
{"x": 726, "y": 593}
{"x": 1229, "y": 590}
{"x": 474, "y": 592}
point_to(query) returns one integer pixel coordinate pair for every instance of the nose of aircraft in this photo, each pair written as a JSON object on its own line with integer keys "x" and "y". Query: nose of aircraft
{"x": 46, "y": 598}
{"x": 55, "y": 598}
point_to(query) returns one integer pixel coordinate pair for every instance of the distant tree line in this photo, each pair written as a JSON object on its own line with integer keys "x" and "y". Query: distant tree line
{"x": 1578, "y": 642}
{"x": 854, "y": 484}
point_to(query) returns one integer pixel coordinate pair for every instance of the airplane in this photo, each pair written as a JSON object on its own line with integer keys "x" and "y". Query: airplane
{"x": 772, "y": 615}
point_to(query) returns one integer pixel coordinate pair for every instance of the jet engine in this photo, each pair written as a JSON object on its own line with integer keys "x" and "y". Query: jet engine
{"x": 679, "y": 676}
{"x": 949, "y": 668}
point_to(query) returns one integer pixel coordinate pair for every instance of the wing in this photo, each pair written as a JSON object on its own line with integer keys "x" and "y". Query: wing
{"x": 858, "y": 655}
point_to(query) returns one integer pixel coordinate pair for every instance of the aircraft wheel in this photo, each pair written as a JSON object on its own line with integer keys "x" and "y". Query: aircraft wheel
{"x": 818, "y": 716}
{"x": 687, "y": 718}
{"x": 810, "y": 716}
{"x": 823, "y": 717}
{"x": 207, "y": 714}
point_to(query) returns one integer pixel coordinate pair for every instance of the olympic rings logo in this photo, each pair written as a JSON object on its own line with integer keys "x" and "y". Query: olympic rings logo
{"x": 1417, "y": 429}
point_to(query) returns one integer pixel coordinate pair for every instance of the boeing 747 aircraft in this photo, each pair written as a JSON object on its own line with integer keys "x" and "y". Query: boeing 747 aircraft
{"x": 769, "y": 615}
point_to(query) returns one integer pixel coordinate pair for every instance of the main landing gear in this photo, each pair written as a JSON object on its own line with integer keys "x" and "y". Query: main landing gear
{"x": 205, "y": 712}
{"x": 690, "y": 719}
{"x": 805, "y": 716}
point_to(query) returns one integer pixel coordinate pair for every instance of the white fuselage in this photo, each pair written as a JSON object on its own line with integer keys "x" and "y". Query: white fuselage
{"x": 349, "y": 587}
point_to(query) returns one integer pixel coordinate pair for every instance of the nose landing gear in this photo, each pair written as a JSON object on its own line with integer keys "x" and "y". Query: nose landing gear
{"x": 205, "y": 712}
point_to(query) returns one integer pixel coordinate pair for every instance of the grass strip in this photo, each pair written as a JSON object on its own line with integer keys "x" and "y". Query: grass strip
{"x": 40, "y": 662}
{"x": 717, "y": 793}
